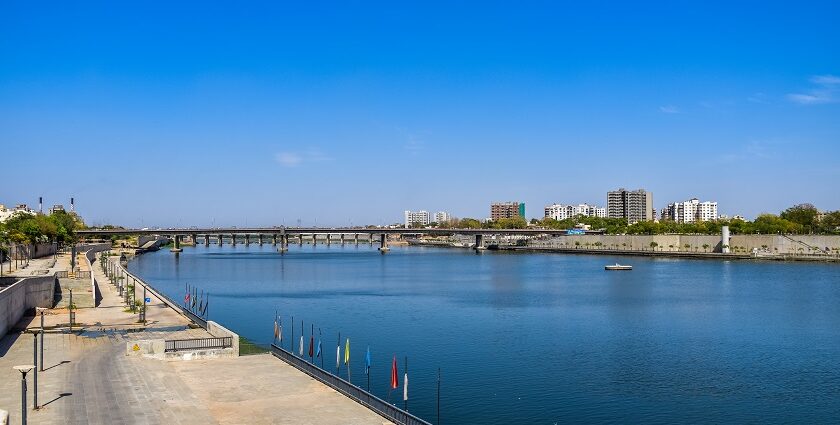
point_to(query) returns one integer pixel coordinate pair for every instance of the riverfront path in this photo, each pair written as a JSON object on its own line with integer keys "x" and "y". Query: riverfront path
{"x": 88, "y": 379}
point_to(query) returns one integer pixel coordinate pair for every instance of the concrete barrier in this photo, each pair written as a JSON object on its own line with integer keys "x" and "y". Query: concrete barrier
{"x": 4, "y": 417}
{"x": 23, "y": 295}
{"x": 220, "y": 331}
{"x": 90, "y": 257}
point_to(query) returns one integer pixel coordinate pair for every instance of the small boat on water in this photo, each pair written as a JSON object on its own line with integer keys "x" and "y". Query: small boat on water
{"x": 617, "y": 266}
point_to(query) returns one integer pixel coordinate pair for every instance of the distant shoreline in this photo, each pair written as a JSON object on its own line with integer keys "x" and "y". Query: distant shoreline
{"x": 639, "y": 253}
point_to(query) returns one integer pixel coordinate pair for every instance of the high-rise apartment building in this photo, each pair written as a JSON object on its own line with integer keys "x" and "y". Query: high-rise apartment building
{"x": 507, "y": 210}
{"x": 562, "y": 212}
{"x": 691, "y": 211}
{"x": 442, "y": 217}
{"x": 634, "y": 206}
{"x": 422, "y": 218}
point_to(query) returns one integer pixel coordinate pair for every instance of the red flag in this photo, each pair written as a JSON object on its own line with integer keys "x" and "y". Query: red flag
{"x": 186, "y": 298}
{"x": 394, "y": 380}
{"x": 311, "y": 343}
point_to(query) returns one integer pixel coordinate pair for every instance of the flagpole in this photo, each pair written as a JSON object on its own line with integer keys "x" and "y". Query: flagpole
{"x": 405, "y": 383}
{"x": 438, "y": 398}
{"x": 293, "y": 335}
{"x": 302, "y": 331}
{"x": 338, "y": 355}
{"x": 311, "y": 343}
{"x": 319, "y": 346}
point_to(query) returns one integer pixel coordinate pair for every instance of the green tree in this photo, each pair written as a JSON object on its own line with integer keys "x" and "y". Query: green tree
{"x": 802, "y": 214}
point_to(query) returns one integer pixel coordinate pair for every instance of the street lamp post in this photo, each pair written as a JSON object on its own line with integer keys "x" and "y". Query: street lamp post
{"x": 23, "y": 369}
{"x": 41, "y": 364}
{"x": 35, "y": 369}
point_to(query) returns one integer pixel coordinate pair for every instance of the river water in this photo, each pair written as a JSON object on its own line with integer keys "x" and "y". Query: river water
{"x": 543, "y": 338}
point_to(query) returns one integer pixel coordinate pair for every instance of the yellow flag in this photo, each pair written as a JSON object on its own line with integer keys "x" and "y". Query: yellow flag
{"x": 347, "y": 351}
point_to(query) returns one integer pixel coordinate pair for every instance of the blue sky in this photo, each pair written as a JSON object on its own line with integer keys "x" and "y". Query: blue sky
{"x": 219, "y": 114}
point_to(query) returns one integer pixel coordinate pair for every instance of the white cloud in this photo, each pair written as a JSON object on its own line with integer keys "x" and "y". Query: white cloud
{"x": 413, "y": 146}
{"x": 669, "y": 109}
{"x": 813, "y": 98}
{"x": 826, "y": 91}
{"x": 293, "y": 159}
{"x": 826, "y": 80}
{"x": 288, "y": 159}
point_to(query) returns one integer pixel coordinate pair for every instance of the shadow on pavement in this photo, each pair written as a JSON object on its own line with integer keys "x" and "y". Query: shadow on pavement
{"x": 57, "y": 365}
{"x": 59, "y": 396}
{"x": 7, "y": 342}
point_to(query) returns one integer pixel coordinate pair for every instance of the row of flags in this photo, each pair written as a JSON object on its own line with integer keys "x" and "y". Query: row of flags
{"x": 315, "y": 351}
{"x": 195, "y": 303}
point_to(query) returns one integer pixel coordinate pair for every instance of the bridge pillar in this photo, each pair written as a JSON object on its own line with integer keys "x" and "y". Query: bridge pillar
{"x": 370, "y": 238}
{"x": 329, "y": 238}
{"x": 356, "y": 238}
{"x": 314, "y": 239}
{"x": 247, "y": 239}
{"x": 342, "y": 239}
{"x": 176, "y": 247}
{"x": 233, "y": 239}
{"x": 383, "y": 243}
{"x": 300, "y": 239}
{"x": 284, "y": 244}
{"x": 479, "y": 244}
{"x": 274, "y": 239}
{"x": 206, "y": 240}
{"x": 259, "y": 239}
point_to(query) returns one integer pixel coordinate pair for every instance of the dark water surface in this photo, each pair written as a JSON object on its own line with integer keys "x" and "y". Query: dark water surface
{"x": 545, "y": 338}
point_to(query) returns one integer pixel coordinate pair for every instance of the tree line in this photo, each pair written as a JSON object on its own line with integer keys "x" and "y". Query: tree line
{"x": 25, "y": 228}
{"x": 798, "y": 219}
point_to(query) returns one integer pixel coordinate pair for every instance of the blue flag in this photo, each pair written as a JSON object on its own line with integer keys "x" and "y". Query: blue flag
{"x": 318, "y": 350}
{"x": 367, "y": 361}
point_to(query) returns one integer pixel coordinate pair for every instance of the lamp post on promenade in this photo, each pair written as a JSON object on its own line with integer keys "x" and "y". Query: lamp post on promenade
{"x": 35, "y": 333}
{"x": 23, "y": 369}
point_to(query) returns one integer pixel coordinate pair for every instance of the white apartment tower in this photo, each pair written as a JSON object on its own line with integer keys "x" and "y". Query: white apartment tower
{"x": 635, "y": 205}
{"x": 691, "y": 211}
{"x": 421, "y": 217}
{"x": 562, "y": 212}
{"x": 442, "y": 217}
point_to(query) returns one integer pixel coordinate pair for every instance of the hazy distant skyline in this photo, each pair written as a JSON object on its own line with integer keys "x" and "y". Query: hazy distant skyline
{"x": 207, "y": 114}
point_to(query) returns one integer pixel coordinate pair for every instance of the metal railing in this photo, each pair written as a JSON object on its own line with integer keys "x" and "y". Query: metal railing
{"x": 198, "y": 344}
{"x": 355, "y": 393}
{"x": 200, "y": 321}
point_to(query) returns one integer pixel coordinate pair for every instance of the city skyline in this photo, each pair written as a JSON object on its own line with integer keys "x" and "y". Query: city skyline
{"x": 398, "y": 107}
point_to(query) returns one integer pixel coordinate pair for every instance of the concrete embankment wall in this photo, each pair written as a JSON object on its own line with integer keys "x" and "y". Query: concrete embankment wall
{"x": 90, "y": 256}
{"x": 20, "y": 252}
{"x": 23, "y": 295}
{"x": 745, "y": 243}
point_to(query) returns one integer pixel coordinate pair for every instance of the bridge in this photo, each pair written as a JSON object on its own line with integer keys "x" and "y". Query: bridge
{"x": 282, "y": 235}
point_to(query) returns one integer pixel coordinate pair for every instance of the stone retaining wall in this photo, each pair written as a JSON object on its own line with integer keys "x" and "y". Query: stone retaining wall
{"x": 23, "y": 295}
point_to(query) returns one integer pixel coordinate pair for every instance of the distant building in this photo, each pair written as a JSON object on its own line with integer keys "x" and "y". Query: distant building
{"x": 421, "y": 217}
{"x": 56, "y": 208}
{"x": 499, "y": 210}
{"x": 691, "y": 211}
{"x": 442, "y": 217}
{"x": 634, "y": 206}
{"x": 6, "y": 213}
{"x": 562, "y": 212}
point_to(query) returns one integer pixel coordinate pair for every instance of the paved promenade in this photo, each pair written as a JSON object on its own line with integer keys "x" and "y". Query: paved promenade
{"x": 89, "y": 379}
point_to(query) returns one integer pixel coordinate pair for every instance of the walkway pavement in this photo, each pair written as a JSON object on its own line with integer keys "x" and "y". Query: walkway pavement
{"x": 89, "y": 379}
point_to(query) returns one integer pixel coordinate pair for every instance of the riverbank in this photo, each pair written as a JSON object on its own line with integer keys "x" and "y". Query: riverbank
{"x": 88, "y": 377}
{"x": 815, "y": 248}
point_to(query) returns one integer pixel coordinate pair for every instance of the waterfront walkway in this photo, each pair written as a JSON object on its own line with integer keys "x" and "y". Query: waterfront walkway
{"x": 88, "y": 379}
